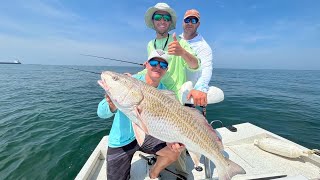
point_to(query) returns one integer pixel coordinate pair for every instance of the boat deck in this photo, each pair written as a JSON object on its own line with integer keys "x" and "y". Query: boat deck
{"x": 238, "y": 147}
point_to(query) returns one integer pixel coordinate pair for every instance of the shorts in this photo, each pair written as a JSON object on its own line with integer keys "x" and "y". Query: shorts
{"x": 119, "y": 159}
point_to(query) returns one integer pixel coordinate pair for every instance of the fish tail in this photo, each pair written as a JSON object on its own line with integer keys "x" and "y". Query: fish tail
{"x": 231, "y": 170}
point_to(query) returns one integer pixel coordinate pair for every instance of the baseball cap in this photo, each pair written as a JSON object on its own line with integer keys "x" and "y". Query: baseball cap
{"x": 159, "y": 53}
{"x": 192, "y": 12}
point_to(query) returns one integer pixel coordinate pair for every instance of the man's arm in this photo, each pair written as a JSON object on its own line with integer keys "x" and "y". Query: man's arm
{"x": 199, "y": 93}
{"x": 106, "y": 109}
{"x": 191, "y": 60}
{"x": 175, "y": 48}
{"x": 202, "y": 83}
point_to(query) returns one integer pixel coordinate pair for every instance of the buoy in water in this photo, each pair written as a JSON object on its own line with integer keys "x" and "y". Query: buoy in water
{"x": 214, "y": 94}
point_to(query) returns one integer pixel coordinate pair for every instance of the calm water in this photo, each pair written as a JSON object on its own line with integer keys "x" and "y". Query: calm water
{"x": 49, "y": 126}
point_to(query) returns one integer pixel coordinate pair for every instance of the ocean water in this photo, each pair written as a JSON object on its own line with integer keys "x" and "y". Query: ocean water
{"x": 49, "y": 126}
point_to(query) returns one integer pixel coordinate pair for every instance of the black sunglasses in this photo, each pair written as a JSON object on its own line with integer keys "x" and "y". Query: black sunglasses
{"x": 193, "y": 20}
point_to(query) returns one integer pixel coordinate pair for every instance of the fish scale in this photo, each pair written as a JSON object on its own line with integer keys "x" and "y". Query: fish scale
{"x": 153, "y": 112}
{"x": 174, "y": 114}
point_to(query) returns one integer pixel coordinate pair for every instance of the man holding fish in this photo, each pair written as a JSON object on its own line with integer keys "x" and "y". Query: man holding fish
{"x": 125, "y": 139}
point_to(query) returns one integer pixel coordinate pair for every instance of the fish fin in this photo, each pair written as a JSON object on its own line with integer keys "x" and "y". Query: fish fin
{"x": 195, "y": 158}
{"x": 139, "y": 133}
{"x": 141, "y": 123}
{"x": 170, "y": 94}
{"x": 218, "y": 140}
{"x": 230, "y": 170}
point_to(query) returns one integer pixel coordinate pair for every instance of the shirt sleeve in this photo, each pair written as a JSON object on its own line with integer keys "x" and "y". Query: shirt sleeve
{"x": 103, "y": 110}
{"x": 206, "y": 64}
{"x": 184, "y": 44}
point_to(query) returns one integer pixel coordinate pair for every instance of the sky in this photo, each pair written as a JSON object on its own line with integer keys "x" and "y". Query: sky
{"x": 245, "y": 34}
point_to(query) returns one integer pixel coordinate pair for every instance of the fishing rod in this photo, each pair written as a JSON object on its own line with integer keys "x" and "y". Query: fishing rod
{"x": 82, "y": 70}
{"x": 152, "y": 161}
{"x": 112, "y": 59}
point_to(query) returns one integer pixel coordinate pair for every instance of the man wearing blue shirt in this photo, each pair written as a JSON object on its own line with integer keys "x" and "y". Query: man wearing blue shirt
{"x": 122, "y": 142}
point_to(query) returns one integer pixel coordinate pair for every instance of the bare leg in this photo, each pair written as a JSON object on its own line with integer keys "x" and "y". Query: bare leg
{"x": 165, "y": 157}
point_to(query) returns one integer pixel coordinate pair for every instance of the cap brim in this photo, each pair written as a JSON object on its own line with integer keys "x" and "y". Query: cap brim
{"x": 159, "y": 58}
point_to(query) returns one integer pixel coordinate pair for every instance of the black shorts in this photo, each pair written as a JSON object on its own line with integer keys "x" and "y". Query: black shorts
{"x": 119, "y": 159}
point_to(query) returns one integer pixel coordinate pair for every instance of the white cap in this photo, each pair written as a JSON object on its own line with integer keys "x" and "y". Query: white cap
{"x": 158, "y": 53}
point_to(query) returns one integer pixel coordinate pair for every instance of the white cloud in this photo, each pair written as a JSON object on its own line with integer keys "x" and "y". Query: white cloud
{"x": 256, "y": 38}
{"x": 55, "y": 10}
{"x": 253, "y": 6}
{"x": 10, "y": 24}
{"x": 220, "y": 4}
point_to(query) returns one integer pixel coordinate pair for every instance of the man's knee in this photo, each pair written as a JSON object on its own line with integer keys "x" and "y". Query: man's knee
{"x": 168, "y": 154}
{"x": 172, "y": 155}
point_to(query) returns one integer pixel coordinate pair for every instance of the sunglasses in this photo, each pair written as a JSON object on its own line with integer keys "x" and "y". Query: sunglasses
{"x": 193, "y": 20}
{"x": 154, "y": 63}
{"x": 158, "y": 17}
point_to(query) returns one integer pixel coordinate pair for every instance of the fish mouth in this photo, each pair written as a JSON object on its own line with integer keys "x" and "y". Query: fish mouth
{"x": 106, "y": 88}
{"x": 103, "y": 85}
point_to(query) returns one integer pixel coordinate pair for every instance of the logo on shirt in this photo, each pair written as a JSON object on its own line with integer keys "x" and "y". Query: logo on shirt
{"x": 160, "y": 52}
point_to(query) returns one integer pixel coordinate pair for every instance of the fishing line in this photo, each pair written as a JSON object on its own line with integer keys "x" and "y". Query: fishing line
{"x": 112, "y": 59}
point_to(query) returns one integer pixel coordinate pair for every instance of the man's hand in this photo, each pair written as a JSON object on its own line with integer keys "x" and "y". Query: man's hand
{"x": 199, "y": 97}
{"x": 174, "y": 48}
{"x": 176, "y": 147}
{"x": 112, "y": 107}
{"x": 145, "y": 64}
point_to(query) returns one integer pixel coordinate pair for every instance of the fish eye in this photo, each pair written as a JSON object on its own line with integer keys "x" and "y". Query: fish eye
{"x": 115, "y": 78}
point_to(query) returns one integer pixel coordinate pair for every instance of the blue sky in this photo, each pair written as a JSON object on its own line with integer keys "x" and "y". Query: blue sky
{"x": 253, "y": 34}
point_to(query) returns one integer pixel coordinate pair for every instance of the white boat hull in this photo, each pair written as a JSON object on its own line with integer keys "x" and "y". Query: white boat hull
{"x": 239, "y": 147}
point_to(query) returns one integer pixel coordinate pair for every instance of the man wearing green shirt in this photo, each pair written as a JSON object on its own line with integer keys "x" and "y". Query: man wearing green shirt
{"x": 162, "y": 18}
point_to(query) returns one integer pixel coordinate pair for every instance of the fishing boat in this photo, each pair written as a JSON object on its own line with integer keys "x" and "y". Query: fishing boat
{"x": 278, "y": 160}
{"x": 14, "y": 62}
